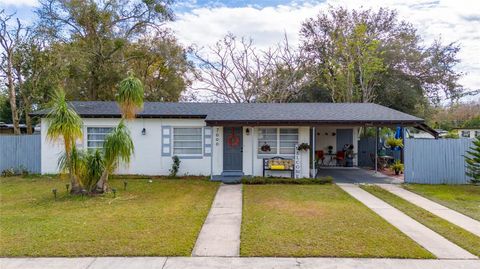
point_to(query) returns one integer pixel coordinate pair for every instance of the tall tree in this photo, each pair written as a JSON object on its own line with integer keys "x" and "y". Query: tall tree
{"x": 10, "y": 37}
{"x": 96, "y": 33}
{"x": 379, "y": 56}
{"x": 235, "y": 71}
{"x": 162, "y": 65}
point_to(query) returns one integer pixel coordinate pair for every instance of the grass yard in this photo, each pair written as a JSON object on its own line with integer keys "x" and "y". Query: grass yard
{"x": 463, "y": 198}
{"x": 448, "y": 230}
{"x": 159, "y": 218}
{"x": 317, "y": 220}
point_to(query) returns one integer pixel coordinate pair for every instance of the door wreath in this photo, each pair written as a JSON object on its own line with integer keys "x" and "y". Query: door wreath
{"x": 233, "y": 140}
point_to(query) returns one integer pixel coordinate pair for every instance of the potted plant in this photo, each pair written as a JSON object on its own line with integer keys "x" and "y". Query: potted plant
{"x": 393, "y": 142}
{"x": 397, "y": 166}
{"x": 303, "y": 147}
{"x": 265, "y": 147}
{"x": 330, "y": 149}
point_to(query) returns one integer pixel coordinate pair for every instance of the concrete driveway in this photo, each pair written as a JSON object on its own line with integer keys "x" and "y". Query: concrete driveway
{"x": 356, "y": 175}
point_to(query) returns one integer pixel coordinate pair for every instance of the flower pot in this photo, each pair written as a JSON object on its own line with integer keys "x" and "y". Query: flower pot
{"x": 397, "y": 172}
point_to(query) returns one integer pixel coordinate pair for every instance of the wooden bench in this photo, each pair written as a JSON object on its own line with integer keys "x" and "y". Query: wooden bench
{"x": 279, "y": 164}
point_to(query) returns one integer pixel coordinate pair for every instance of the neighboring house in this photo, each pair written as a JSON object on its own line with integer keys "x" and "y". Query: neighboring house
{"x": 7, "y": 129}
{"x": 468, "y": 132}
{"x": 426, "y": 135}
{"x": 219, "y": 139}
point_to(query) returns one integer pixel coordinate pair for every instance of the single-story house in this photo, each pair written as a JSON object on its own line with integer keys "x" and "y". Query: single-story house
{"x": 468, "y": 132}
{"x": 221, "y": 140}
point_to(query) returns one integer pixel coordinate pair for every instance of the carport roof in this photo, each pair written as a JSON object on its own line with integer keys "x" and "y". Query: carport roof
{"x": 256, "y": 113}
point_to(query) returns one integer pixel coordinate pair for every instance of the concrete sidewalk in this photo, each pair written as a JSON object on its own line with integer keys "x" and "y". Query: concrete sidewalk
{"x": 443, "y": 212}
{"x": 220, "y": 234}
{"x": 231, "y": 263}
{"x": 430, "y": 240}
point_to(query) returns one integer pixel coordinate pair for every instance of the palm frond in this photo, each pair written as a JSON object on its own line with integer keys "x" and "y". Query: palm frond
{"x": 118, "y": 147}
{"x": 64, "y": 122}
{"x": 130, "y": 96}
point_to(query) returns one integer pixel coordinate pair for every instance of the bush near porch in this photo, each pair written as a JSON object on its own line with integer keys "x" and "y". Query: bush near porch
{"x": 286, "y": 180}
{"x": 317, "y": 220}
{"x": 159, "y": 218}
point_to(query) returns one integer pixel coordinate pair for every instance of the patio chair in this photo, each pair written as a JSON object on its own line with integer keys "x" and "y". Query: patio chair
{"x": 340, "y": 157}
{"x": 320, "y": 156}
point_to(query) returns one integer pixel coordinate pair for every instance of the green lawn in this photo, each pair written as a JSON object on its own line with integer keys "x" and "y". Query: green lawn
{"x": 159, "y": 218}
{"x": 317, "y": 220}
{"x": 463, "y": 198}
{"x": 448, "y": 230}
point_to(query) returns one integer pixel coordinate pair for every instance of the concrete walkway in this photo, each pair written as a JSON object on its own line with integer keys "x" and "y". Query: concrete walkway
{"x": 430, "y": 240}
{"x": 232, "y": 263}
{"x": 443, "y": 212}
{"x": 220, "y": 234}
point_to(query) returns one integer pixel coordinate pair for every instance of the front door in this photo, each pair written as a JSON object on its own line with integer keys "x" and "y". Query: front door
{"x": 232, "y": 148}
{"x": 344, "y": 137}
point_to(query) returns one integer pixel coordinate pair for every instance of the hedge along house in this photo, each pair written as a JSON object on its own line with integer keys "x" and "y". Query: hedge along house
{"x": 225, "y": 141}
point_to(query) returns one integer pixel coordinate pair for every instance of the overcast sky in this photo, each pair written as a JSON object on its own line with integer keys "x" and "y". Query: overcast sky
{"x": 204, "y": 22}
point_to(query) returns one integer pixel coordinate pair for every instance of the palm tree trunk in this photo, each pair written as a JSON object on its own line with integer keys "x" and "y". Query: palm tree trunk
{"x": 102, "y": 184}
{"x": 76, "y": 188}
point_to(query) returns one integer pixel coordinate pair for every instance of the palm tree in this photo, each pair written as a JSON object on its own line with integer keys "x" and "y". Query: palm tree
{"x": 130, "y": 96}
{"x": 118, "y": 147}
{"x": 66, "y": 124}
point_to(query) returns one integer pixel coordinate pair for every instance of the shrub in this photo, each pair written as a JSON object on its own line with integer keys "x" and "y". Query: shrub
{"x": 397, "y": 166}
{"x": 175, "y": 166}
{"x": 473, "y": 162}
{"x": 9, "y": 172}
{"x": 285, "y": 180}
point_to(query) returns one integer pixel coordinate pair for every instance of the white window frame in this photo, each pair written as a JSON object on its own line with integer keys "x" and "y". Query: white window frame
{"x": 278, "y": 141}
{"x": 464, "y": 132}
{"x": 172, "y": 146}
{"x": 87, "y": 133}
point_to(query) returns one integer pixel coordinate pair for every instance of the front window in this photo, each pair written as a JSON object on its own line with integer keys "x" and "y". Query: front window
{"x": 187, "y": 141}
{"x": 96, "y": 136}
{"x": 280, "y": 140}
{"x": 465, "y": 133}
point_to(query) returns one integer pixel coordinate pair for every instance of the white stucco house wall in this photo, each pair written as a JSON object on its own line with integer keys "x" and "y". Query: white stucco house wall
{"x": 225, "y": 140}
{"x": 468, "y": 132}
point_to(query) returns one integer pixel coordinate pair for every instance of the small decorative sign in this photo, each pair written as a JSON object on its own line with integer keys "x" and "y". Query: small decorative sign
{"x": 298, "y": 163}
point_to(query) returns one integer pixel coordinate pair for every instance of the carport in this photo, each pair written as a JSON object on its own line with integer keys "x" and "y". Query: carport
{"x": 356, "y": 175}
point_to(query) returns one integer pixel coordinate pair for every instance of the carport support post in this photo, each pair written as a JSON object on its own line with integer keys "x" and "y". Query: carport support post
{"x": 376, "y": 150}
{"x": 314, "y": 137}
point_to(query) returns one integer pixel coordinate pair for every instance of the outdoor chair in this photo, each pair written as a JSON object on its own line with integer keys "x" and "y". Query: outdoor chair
{"x": 320, "y": 155}
{"x": 340, "y": 157}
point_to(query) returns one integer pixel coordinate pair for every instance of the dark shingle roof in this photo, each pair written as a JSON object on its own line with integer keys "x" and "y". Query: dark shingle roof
{"x": 254, "y": 112}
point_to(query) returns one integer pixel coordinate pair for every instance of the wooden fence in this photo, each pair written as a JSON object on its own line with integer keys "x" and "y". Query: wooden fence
{"x": 20, "y": 152}
{"x": 441, "y": 161}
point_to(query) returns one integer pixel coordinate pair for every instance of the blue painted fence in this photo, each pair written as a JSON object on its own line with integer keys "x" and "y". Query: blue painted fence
{"x": 20, "y": 152}
{"x": 430, "y": 161}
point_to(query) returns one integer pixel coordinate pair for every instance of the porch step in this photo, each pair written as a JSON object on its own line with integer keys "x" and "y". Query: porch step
{"x": 232, "y": 173}
{"x": 229, "y": 177}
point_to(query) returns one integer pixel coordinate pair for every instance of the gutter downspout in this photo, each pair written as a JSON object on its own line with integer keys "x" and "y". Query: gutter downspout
{"x": 253, "y": 151}
{"x": 314, "y": 137}
{"x": 211, "y": 154}
{"x": 376, "y": 149}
